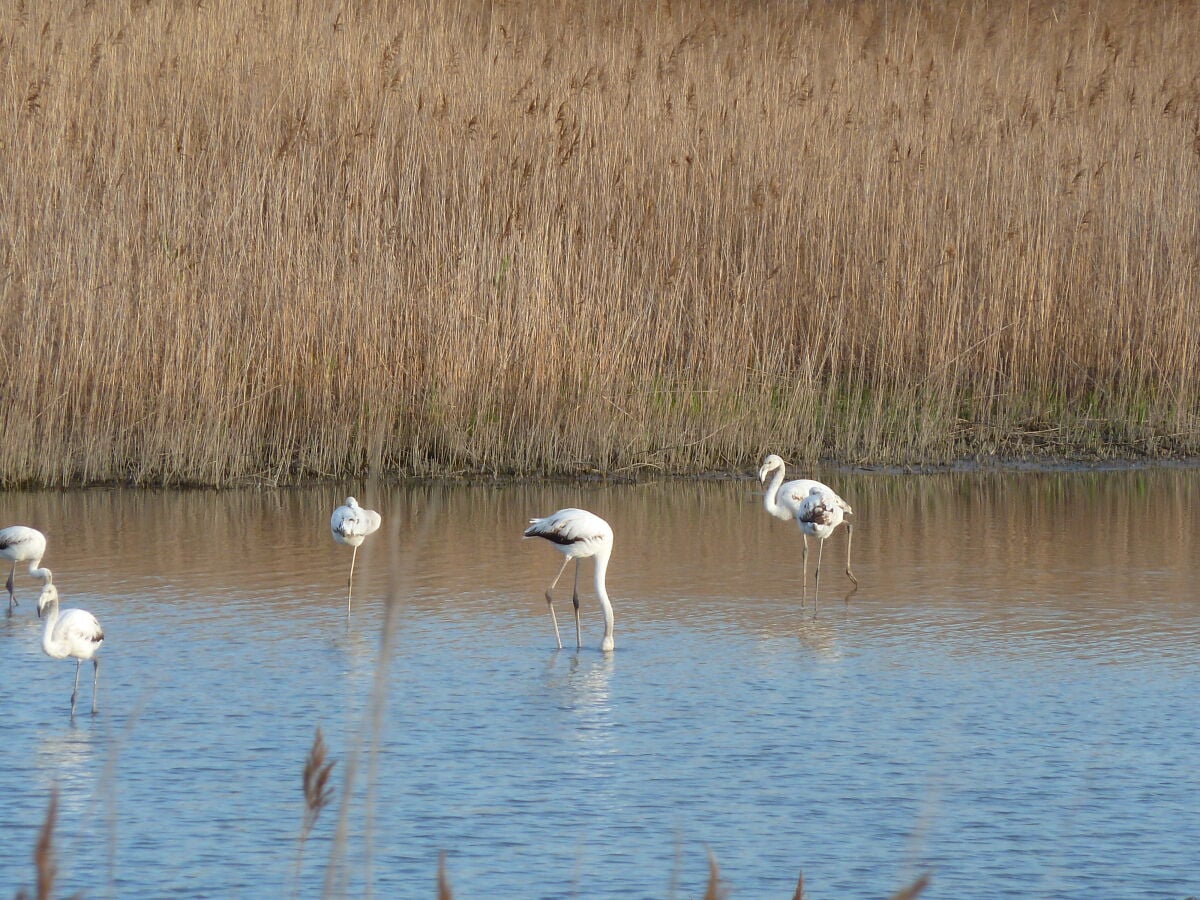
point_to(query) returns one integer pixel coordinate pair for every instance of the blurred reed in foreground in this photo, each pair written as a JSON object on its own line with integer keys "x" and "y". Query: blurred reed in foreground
{"x": 280, "y": 240}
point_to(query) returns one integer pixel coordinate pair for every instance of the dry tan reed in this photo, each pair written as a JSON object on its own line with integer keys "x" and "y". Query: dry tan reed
{"x": 443, "y": 882}
{"x": 282, "y": 240}
{"x": 715, "y": 889}
{"x": 43, "y": 854}
{"x": 914, "y": 890}
{"x": 318, "y": 794}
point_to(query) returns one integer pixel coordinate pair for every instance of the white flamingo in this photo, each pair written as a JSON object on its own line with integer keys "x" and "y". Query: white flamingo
{"x": 350, "y": 524}
{"x": 795, "y": 500}
{"x": 73, "y": 632}
{"x": 20, "y": 543}
{"x": 576, "y": 534}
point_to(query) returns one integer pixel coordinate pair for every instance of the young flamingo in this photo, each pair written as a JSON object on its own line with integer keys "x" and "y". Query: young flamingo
{"x": 350, "y": 525}
{"x": 21, "y": 543}
{"x": 818, "y": 515}
{"x": 792, "y": 500}
{"x": 73, "y": 632}
{"x": 577, "y": 533}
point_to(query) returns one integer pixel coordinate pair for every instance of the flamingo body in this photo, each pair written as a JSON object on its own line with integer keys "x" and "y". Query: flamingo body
{"x": 820, "y": 512}
{"x": 20, "y": 543}
{"x": 71, "y": 633}
{"x": 578, "y": 534}
{"x": 781, "y": 499}
{"x": 350, "y": 524}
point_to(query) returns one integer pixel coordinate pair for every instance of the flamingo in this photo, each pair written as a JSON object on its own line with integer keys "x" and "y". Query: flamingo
{"x": 350, "y": 524}
{"x": 793, "y": 500}
{"x": 818, "y": 515}
{"x": 73, "y": 632}
{"x": 576, "y": 534}
{"x": 20, "y": 543}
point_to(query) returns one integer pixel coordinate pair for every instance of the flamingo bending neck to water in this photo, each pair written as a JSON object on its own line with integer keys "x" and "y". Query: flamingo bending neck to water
{"x": 21, "y": 543}
{"x": 576, "y": 534}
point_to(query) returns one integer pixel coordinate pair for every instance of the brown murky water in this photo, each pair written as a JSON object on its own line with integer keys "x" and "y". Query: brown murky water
{"x": 1008, "y": 700}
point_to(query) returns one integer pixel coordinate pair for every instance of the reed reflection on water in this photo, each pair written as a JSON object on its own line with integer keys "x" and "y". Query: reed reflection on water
{"x": 1008, "y": 701}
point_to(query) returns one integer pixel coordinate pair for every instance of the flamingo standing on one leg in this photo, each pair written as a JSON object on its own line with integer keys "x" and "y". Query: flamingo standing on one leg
{"x": 350, "y": 524}
{"x": 785, "y": 500}
{"x": 20, "y": 543}
{"x": 577, "y": 533}
{"x": 73, "y": 632}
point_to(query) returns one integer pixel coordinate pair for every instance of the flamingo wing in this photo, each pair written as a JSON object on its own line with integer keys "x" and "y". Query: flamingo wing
{"x": 80, "y": 630}
{"x": 568, "y": 526}
{"x": 18, "y": 538}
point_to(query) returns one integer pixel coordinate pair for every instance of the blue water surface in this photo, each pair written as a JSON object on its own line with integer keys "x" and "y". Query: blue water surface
{"x": 1008, "y": 703}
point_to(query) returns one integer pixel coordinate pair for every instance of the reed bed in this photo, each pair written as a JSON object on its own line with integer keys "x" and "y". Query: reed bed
{"x": 276, "y": 241}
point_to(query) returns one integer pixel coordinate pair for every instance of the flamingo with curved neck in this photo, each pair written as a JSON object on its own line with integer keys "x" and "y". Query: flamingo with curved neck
{"x": 578, "y": 534}
{"x": 20, "y": 543}
{"x": 815, "y": 508}
{"x": 72, "y": 633}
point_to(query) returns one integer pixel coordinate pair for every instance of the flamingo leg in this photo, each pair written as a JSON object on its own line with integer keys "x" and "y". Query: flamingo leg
{"x": 550, "y": 601}
{"x": 12, "y": 599}
{"x": 817, "y": 578}
{"x": 849, "y": 538}
{"x": 75, "y": 690}
{"x": 350, "y": 591}
{"x": 575, "y": 601}
{"x": 804, "y": 570}
{"x": 95, "y": 681}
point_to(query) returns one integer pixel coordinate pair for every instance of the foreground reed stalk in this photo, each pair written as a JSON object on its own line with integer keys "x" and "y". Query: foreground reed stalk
{"x": 318, "y": 794}
{"x": 43, "y": 854}
{"x": 282, "y": 240}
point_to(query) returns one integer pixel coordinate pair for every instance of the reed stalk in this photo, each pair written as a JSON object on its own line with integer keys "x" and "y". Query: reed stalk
{"x": 318, "y": 794}
{"x": 443, "y": 882}
{"x": 914, "y": 890}
{"x": 43, "y": 854}
{"x": 715, "y": 889}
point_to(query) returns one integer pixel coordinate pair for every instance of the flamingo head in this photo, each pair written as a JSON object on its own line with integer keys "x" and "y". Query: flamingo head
{"x": 769, "y": 465}
{"x": 48, "y": 597}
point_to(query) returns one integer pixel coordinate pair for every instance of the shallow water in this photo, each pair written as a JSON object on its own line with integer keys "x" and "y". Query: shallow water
{"x": 1008, "y": 702}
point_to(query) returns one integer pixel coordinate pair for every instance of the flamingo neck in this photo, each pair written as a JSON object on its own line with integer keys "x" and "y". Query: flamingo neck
{"x": 50, "y": 614}
{"x": 45, "y": 574}
{"x": 605, "y": 604}
{"x": 771, "y": 497}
